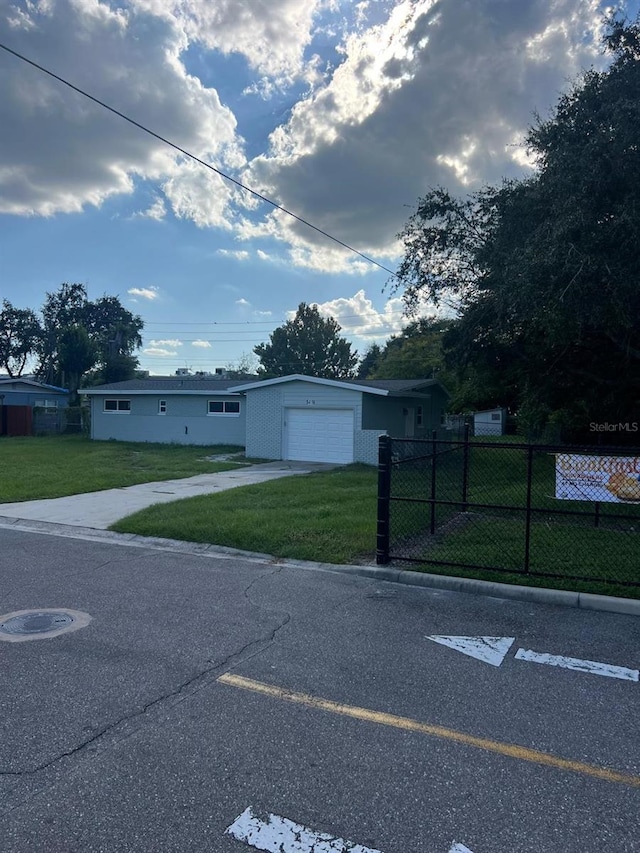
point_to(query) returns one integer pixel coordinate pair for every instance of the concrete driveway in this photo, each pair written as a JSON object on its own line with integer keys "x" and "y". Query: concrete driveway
{"x": 102, "y": 509}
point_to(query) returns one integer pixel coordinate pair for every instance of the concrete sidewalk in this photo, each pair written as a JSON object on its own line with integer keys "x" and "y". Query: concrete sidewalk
{"x": 101, "y": 509}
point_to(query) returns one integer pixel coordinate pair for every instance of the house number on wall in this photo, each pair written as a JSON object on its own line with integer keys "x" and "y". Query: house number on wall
{"x": 311, "y": 402}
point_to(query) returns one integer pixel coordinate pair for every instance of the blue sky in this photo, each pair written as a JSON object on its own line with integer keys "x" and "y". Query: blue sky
{"x": 344, "y": 112}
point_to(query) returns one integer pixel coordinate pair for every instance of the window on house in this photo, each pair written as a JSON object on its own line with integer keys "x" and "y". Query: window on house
{"x": 49, "y": 406}
{"x": 162, "y": 407}
{"x": 117, "y": 405}
{"x": 495, "y": 416}
{"x": 218, "y": 407}
{"x": 419, "y": 416}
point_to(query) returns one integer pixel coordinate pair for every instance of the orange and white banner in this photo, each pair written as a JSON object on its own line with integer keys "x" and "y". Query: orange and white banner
{"x": 615, "y": 479}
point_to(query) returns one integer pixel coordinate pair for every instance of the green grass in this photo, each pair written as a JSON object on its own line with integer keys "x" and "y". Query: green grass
{"x": 562, "y": 545}
{"x": 598, "y": 555}
{"x": 328, "y": 516}
{"x": 55, "y": 466}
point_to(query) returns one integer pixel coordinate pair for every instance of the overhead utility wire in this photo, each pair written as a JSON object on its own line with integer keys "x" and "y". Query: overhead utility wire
{"x": 193, "y": 157}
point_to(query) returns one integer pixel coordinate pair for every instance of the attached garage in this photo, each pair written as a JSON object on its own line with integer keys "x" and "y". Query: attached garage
{"x": 319, "y": 435}
{"x": 310, "y": 419}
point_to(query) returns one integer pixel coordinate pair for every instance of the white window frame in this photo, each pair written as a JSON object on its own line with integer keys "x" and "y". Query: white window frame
{"x": 224, "y": 413}
{"x": 118, "y": 410}
{"x": 48, "y": 406}
{"x": 162, "y": 407}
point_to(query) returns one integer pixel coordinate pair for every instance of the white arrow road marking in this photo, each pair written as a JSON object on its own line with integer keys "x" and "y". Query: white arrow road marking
{"x": 460, "y": 848}
{"x": 488, "y": 649}
{"x": 590, "y": 666}
{"x": 280, "y": 835}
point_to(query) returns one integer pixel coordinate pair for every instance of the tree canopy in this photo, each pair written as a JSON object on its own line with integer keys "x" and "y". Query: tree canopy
{"x": 546, "y": 270}
{"x": 74, "y": 336}
{"x": 308, "y": 344}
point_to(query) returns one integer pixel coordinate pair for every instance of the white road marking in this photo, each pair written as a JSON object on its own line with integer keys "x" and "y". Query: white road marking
{"x": 487, "y": 649}
{"x": 280, "y": 835}
{"x": 591, "y": 666}
{"x": 460, "y": 848}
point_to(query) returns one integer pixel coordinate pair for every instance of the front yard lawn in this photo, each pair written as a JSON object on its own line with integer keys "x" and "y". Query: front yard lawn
{"x": 328, "y": 516}
{"x": 55, "y": 466}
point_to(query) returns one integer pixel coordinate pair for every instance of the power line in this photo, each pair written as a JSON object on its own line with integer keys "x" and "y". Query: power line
{"x": 194, "y": 158}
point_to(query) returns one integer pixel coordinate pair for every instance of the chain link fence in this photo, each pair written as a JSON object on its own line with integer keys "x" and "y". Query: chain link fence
{"x": 549, "y": 511}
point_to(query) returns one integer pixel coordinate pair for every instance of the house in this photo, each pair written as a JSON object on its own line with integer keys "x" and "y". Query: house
{"x": 490, "y": 422}
{"x": 178, "y": 409}
{"x": 337, "y": 420}
{"x": 294, "y": 417}
{"x": 21, "y": 397}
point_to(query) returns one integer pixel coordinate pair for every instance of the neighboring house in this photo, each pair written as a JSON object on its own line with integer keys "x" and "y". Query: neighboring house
{"x": 20, "y": 397}
{"x": 491, "y": 422}
{"x": 294, "y": 417}
{"x": 337, "y": 420}
{"x": 180, "y": 410}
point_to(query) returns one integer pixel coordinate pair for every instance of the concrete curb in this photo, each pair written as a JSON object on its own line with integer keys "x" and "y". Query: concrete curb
{"x": 538, "y": 595}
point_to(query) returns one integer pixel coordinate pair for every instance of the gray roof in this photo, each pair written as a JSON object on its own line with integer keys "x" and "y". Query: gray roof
{"x": 34, "y": 383}
{"x": 394, "y": 386}
{"x": 158, "y": 383}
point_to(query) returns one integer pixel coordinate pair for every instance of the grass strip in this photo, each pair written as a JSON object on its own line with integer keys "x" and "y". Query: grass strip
{"x": 32, "y": 468}
{"x": 326, "y": 516}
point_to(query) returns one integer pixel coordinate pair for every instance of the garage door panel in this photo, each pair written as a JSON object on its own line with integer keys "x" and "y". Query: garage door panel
{"x": 319, "y": 435}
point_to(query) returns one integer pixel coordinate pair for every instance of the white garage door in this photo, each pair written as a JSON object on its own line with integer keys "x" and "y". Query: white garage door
{"x": 319, "y": 435}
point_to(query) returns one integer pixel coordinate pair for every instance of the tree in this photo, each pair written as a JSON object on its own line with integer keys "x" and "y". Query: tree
{"x": 546, "y": 270}
{"x": 64, "y": 308}
{"x": 112, "y": 331}
{"x": 308, "y": 344}
{"x": 369, "y": 361}
{"x": 77, "y": 354}
{"x": 20, "y": 335}
{"x": 415, "y": 353}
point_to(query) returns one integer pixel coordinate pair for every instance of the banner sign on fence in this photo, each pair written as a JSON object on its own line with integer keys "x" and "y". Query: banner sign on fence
{"x": 615, "y": 479}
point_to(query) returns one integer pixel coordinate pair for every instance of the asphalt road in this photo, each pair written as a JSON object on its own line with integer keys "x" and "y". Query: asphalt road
{"x": 204, "y": 686}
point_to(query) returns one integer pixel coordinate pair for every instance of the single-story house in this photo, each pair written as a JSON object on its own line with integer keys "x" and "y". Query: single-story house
{"x": 293, "y": 417}
{"x": 20, "y": 396}
{"x": 180, "y": 410}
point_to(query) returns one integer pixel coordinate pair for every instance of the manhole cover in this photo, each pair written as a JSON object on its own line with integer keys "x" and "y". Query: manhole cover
{"x": 38, "y": 622}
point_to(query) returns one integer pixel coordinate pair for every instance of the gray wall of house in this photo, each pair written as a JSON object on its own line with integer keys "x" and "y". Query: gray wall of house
{"x": 185, "y": 422}
{"x": 29, "y": 396}
{"x": 388, "y": 413}
{"x": 266, "y": 408}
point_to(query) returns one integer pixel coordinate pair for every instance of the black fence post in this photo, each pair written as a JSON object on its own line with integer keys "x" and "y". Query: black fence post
{"x": 384, "y": 499}
{"x": 434, "y": 454}
{"x": 465, "y": 469}
{"x": 527, "y": 529}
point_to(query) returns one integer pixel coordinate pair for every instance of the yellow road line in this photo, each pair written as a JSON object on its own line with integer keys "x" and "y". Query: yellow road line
{"x": 522, "y": 753}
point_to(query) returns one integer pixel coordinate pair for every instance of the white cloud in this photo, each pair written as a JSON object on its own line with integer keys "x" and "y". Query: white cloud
{"x": 149, "y": 293}
{"x": 201, "y": 344}
{"x": 358, "y": 317}
{"x": 156, "y": 211}
{"x": 242, "y": 301}
{"x": 60, "y": 151}
{"x": 422, "y": 93}
{"x": 159, "y": 351}
{"x": 263, "y": 313}
{"x": 271, "y": 34}
{"x": 238, "y": 254}
{"x": 435, "y": 94}
{"x": 171, "y": 342}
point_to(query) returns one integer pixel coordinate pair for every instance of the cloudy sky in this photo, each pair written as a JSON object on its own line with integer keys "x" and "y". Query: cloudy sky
{"x": 343, "y": 112}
